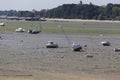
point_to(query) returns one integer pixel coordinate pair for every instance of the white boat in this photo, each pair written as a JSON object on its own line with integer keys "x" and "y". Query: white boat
{"x": 2, "y": 24}
{"x": 20, "y": 30}
{"x": 51, "y": 44}
{"x": 76, "y": 47}
{"x": 105, "y": 43}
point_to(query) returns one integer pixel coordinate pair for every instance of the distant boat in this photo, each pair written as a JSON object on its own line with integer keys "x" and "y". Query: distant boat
{"x": 116, "y": 49}
{"x": 33, "y": 31}
{"x": 76, "y": 47}
{"x": 51, "y": 44}
{"x": 105, "y": 43}
{"x": 20, "y": 30}
{"x": 2, "y": 24}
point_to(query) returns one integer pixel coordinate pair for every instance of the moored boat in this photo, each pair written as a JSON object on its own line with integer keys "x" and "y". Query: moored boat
{"x": 76, "y": 47}
{"x": 51, "y": 44}
{"x": 34, "y": 31}
{"x": 20, "y": 30}
{"x": 105, "y": 43}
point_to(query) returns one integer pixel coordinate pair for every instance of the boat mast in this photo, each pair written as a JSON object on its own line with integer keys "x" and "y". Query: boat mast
{"x": 67, "y": 38}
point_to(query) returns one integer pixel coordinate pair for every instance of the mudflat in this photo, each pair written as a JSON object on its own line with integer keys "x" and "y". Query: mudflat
{"x": 24, "y": 57}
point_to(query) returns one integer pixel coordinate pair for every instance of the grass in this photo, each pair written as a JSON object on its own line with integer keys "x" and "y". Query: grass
{"x": 69, "y": 27}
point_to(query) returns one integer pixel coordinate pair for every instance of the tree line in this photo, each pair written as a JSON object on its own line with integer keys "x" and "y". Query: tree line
{"x": 85, "y": 11}
{"x": 72, "y": 11}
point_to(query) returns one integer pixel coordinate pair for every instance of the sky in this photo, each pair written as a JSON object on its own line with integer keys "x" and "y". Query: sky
{"x": 46, "y": 4}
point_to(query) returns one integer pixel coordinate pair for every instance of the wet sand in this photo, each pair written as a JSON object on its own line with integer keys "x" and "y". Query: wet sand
{"x": 24, "y": 57}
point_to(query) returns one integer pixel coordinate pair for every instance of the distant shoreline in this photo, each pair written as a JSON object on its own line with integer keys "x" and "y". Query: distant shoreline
{"x": 80, "y": 20}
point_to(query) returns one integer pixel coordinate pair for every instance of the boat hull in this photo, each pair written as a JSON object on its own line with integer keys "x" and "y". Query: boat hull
{"x": 105, "y": 43}
{"x": 77, "y": 48}
{"x": 49, "y": 46}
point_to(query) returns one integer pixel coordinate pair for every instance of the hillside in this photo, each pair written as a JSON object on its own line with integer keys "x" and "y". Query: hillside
{"x": 72, "y": 11}
{"x": 85, "y": 11}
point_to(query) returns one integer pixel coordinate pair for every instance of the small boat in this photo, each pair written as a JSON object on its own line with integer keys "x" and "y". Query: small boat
{"x": 51, "y": 44}
{"x": 76, "y": 47}
{"x": 105, "y": 43}
{"x": 20, "y": 30}
{"x": 33, "y": 31}
{"x": 2, "y": 24}
{"x": 116, "y": 49}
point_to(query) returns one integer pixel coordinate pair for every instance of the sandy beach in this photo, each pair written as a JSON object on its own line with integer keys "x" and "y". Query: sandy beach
{"x": 81, "y": 20}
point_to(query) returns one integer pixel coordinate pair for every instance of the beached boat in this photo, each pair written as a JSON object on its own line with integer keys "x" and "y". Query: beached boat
{"x": 34, "y": 31}
{"x": 2, "y": 24}
{"x": 51, "y": 44}
{"x": 116, "y": 49}
{"x": 20, "y": 30}
{"x": 105, "y": 43}
{"x": 76, "y": 47}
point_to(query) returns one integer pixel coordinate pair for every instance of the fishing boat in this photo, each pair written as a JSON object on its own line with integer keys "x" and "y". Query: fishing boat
{"x": 51, "y": 44}
{"x": 35, "y": 29}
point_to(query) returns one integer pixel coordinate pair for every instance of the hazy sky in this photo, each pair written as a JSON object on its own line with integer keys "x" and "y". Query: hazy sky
{"x": 45, "y": 4}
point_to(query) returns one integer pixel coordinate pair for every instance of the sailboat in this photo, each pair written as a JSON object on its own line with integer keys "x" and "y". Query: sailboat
{"x": 75, "y": 47}
{"x": 35, "y": 31}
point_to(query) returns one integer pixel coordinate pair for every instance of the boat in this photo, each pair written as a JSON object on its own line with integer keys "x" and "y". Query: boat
{"x": 105, "y": 43}
{"x": 116, "y": 49}
{"x": 76, "y": 47}
{"x": 20, "y": 30}
{"x": 51, "y": 44}
{"x": 2, "y": 24}
{"x": 33, "y": 31}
